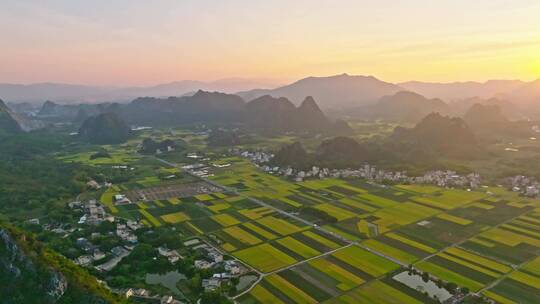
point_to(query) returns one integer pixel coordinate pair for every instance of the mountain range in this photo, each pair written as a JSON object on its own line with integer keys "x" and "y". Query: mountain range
{"x": 332, "y": 92}
{"x": 265, "y": 114}
{"x": 454, "y": 91}
{"x": 70, "y": 93}
{"x": 404, "y": 106}
{"x": 340, "y": 91}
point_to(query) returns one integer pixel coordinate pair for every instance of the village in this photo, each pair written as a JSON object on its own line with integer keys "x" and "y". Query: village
{"x": 95, "y": 225}
{"x": 527, "y": 186}
{"x": 441, "y": 178}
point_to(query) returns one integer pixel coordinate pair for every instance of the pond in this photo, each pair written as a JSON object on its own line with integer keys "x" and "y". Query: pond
{"x": 415, "y": 281}
{"x": 245, "y": 281}
{"x": 168, "y": 280}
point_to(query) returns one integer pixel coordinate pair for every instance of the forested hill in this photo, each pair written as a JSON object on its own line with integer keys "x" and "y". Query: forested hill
{"x": 106, "y": 128}
{"x": 8, "y": 124}
{"x": 32, "y": 273}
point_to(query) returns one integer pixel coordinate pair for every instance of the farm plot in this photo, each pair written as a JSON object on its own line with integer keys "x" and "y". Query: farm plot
{"x": 519, "y": 287}
{"x": 508, "y": 245}
{"x": 345, "y": 279}
{"x": 166, "y": 192}
{"x": 256, "y": 213}
{"x": 242, "y": 235}
{"x": 279, "y": 226}
{"x": 259, "y": 231}
{"x": 298, "y": 247}
{"x": 259, "y": 294}
{"x": 319, "y": 279}
{"x": 375, "y": 292}
{"x": 365, "y": 261}
{"x": 449, "y": 199}
{"x": 264, "y": 257}
{"x": 289, "y": 290}
{"x": 464, "y": 268}
{"x": 173, "y": 218}
{"x": 225, "y": 219}
{"x": 448, "y": 275}
{"x": 402, "y": 214}
{"x": 336, "y": 212}
{"x": 390, "y": 251}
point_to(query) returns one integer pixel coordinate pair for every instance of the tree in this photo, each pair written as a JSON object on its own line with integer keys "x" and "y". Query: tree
{"x": 451, "y": 287}
{"x": 425, "y": 277}
{"x": 142, "y": 252}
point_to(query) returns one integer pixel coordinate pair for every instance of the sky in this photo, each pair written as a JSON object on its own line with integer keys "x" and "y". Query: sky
{"x": 140, "y": 42}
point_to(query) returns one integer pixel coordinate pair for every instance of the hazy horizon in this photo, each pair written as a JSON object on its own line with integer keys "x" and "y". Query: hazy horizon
{"x": 136, "y": 43}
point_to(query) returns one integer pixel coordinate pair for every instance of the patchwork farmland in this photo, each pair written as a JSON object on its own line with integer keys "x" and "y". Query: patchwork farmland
{"x": 338, "y": 241}
{"x": 478, "y": 240}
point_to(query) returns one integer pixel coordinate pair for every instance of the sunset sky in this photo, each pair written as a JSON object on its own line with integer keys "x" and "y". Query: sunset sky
{"x": 140, "y": 42}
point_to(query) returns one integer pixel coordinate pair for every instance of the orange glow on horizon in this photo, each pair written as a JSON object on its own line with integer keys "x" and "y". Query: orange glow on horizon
{"x": 138, "y": 43}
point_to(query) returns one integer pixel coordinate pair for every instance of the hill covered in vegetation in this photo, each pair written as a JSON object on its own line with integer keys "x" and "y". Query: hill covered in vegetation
{"x": 32, "y": 273}
{"x": 8, "y": 124}
{"x": 106, "y": 128}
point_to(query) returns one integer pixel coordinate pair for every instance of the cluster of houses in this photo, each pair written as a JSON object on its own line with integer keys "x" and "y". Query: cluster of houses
{"x": 94, "y": 213}
{"x": 121, "y": 199}
{"x": 145, "y": 296}
{"x": 447, "y": 178}
{"x": 257, "y": 157}
{"x": 525, "y": 185}
{"x": 198, "y": 169}
{"x": 213, "y": 258}
{"x": 92, "y": 252}
{"x": 440, "y": 178}
{"x": 126, "y": 232}
{"x": 93, "y": 256}
{"x": 172, "y": 255}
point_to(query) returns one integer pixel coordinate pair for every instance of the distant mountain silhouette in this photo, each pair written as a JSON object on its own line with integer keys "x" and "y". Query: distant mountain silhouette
{"x": 508, "y": 109}
{"x": 204, "y": 107}
{"x": 490, "y": 124}
{"x": 76, "y": 113}
{"x": 265, "y": 114}
{"x": 338, "y": 91}
{"x": 270, "y": 115}
{"x": 106, "y": 128}
{"x": 436, "y": 135}
{"x": 461, "y": 90}
{"x": 480, "y": 115}
{"x": 528, "y": 97}
{"x": 69, "y": 93}
{"x": 404, "y": 106}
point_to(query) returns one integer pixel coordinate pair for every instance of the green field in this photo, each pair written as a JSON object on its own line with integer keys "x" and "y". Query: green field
{"x": 298, "y": 247}
{"x": 242, "y": 235}
{"x": 455, "y": 235}
{"x": 376, "y": 292}
{"x": 264, "y": 257}
{"x": 346, "y": 279}
{"x": 365, "y": 261}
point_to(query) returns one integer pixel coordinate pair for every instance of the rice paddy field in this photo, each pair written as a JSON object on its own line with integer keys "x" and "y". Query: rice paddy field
{"x": 475, "y": 239}
{"x": 487, "y": 240}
